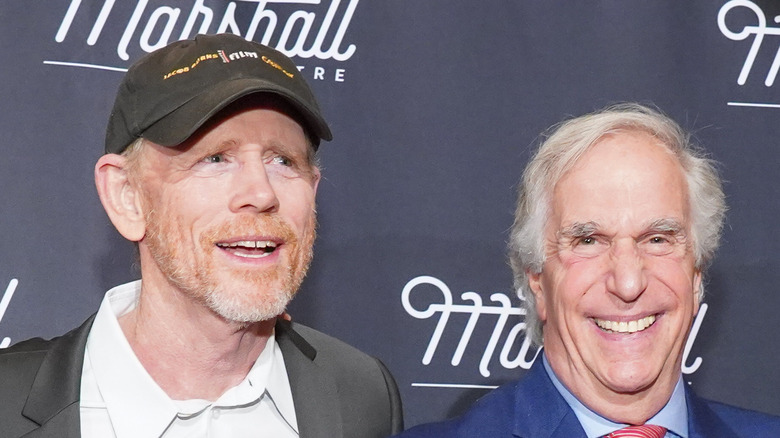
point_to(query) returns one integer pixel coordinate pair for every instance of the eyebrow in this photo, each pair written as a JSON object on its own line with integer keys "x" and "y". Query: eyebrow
{"x": 666, "y": 226}
{"x": 583, "y": 229}
{"x": 289, "y": 149}
{"x": 193, "y": 149}
{"x": 579, "y": 229}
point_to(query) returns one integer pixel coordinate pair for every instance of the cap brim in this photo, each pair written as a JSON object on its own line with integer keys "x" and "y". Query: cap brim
{"x": 179, "y": 125}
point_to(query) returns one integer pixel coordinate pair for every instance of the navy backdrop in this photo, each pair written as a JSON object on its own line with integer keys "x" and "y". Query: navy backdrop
{"x": 435, "y": 106}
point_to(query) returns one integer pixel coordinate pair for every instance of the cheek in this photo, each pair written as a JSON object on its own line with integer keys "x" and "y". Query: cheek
{"x": 569, "y": 282}
{"x": 578, "y": 275}
{"x": 296, "y": 203}
{"x": 186, "y": 218}
{"x": 679, "y": 278}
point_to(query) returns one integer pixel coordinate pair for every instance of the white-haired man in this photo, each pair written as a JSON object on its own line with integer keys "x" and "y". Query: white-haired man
{"x": 618, "y": 216}
{"x": 210, "y": 168}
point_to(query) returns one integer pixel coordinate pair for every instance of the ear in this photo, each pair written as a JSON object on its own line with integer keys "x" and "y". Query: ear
{"x": 535, "y": 282}
{"x": 315, "y": 179}
{"x": 696, "y": 288}
{"x": 119, "y": 197}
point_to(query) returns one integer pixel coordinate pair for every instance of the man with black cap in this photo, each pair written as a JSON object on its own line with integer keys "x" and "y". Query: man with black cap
{"x": 210, "y": 168}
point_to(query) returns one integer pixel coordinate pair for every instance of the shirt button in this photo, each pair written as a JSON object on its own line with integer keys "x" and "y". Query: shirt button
{"x": 215, "y": 414}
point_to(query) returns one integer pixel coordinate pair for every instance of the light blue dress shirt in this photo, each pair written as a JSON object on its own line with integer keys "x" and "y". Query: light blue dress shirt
{"x": 673, "y": 416}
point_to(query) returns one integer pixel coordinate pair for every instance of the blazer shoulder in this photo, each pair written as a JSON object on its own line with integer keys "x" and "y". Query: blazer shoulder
{"x": 492, "y": 415}
{"x": 529, "y": 407}
{"x": 31, "y": 353}
{"x": 367, "y": 391}
{"x": 22, "y": 358}
{"x": 326, "y": 345}
{"x": 32, "y": 345}
{"x": 747, "y": 422}
{"x": 337, "y": 357}
{"x": 37, "y": 371}
{"x": 19, "y": 366}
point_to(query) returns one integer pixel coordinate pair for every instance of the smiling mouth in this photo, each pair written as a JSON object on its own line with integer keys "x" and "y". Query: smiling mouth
{"x": 251, "y": 249}
{"x": 625, "y": 326}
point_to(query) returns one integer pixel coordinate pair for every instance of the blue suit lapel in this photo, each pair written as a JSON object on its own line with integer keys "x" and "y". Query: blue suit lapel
{"x": 703, "y": 422}
{"x": 540, "y": 411}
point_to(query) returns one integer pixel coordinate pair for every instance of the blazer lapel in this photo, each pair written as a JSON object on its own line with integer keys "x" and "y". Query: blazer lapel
{"x": 314, "y": 392}
{"x": 53, "y": 401}
{"x": 540, "y": 410}
{"x": 703, "y": 422}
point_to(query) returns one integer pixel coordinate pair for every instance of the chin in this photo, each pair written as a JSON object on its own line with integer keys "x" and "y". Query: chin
{"x": 630, "y": 378}
{"x": 250, "y": 305}
{"x": 249, "y": 313}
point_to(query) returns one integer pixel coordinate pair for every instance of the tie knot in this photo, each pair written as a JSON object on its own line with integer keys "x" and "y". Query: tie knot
{"x": 644, "y": 431}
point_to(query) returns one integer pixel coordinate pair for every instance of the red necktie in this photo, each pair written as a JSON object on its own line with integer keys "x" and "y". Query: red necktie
{"x": 644, "y": 431}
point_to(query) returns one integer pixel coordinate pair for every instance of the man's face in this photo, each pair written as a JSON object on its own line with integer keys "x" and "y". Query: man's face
{"x": 230, "y": 218}
{"x": 617, "y": 289}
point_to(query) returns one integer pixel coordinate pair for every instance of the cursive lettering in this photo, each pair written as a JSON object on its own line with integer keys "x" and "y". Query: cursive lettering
{"x": 759, "y": 30}
{"x": 476, "y": 309}
{"x": 9, "y": 293}
{"x": 291, "y": 40}
{"x": 690, "y": 369}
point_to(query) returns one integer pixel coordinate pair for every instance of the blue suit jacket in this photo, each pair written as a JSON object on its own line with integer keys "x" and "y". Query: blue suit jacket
{"x": 533, "y": 408}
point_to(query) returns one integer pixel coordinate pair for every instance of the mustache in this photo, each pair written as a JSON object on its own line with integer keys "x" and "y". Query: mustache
{"x": 271, "y": 226}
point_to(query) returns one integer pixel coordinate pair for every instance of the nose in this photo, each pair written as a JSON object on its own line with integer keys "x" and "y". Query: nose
{"x": 626, "y": 279}
{"x": 253, "y": 190}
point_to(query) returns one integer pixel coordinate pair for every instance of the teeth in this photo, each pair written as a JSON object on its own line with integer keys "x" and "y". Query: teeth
{"x": 252, "y": 256}
{"x": 249, "y": 244}
{"x": 626, "y": 326}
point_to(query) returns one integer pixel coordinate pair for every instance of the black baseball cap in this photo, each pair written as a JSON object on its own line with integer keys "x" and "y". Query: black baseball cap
{"x": 168, "y": 94}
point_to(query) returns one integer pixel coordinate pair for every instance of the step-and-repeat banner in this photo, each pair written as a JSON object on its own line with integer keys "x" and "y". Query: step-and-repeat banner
{"x": 435, "y": 106}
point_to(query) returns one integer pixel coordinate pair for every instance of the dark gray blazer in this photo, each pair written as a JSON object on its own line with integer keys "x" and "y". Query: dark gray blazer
{"x": 338, "y": 391}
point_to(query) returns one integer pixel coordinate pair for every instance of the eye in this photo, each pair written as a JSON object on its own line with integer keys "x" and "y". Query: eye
{"x": 589, "y": 246}
{"x": 214, "y": 159}
{"x": 284, "y": 161}
{"x": 661, "y": 244}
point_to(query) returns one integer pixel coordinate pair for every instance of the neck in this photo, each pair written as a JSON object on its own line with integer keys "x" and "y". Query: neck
{"x": 634, "y": 407}
{"x": 189, "y": 351}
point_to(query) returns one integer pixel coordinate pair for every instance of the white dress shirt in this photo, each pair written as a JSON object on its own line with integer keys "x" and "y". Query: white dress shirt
{"x": 120, "y": 399}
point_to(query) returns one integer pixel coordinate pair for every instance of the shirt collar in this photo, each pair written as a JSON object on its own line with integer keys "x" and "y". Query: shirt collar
{"x": 673, "y": 416}
{"x": 128, "y": 392}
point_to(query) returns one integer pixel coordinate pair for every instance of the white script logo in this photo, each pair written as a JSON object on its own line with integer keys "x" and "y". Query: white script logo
{"x": 9, "y": 293}
{"x": 475, "y": 309}
{"x": 504, "y": 309}
{"x": 316, "y": 29}
{"x": 759, "y": 30}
